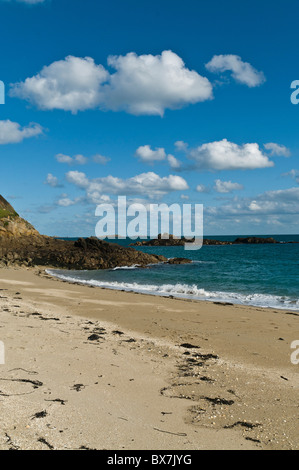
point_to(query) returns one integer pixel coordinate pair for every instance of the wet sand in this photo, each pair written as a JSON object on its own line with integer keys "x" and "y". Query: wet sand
{"x": 93, "y": 368}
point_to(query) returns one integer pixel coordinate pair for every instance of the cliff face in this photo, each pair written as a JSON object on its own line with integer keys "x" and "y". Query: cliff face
{"x": 11, "y": 224}
{"x": 6, "y": 208}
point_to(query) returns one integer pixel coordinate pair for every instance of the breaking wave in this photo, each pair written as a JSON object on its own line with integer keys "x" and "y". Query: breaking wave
{"x": 186, "y": 291}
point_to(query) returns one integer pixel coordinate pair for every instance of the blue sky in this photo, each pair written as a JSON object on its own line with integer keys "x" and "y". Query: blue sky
{"x": 162, "y": 101}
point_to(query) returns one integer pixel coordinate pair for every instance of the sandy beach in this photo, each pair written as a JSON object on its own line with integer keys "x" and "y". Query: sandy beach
{"x": 90, "y": 368}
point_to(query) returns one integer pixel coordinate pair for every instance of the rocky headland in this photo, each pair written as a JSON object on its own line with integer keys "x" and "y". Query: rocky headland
{"x": 21, "y": 244}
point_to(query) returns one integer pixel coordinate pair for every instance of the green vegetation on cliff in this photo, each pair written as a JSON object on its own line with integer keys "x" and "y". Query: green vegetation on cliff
{"x": 5, "y": 213}
{"x": 6, "y": 210}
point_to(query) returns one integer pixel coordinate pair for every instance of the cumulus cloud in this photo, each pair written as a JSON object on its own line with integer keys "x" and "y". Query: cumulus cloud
{"x": 174, "y": 163}
{"x": 225, "y": 155}
{"x": 277, "y": 150}
{"x": 147, "y": 155}
{"x": 148, "y": 184}
{"x": 242, "y": 72}
{"x": 181, "y": 146}
{"x": 226, "y": 186}
{"x": 77, "y": 178}
{"x": 52, "y": 181}
{"x": 13, "y": 132}
{"x": 65, "y": 201}
{"x": 141, "y": 85}
{"x": 73, "y": 84}
{"x": 150, "y": 84}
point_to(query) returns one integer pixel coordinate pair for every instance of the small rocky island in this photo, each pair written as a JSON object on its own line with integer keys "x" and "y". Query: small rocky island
{"x": 170, "y": 240}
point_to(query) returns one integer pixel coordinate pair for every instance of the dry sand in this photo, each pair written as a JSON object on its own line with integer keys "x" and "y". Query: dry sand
{"x": 101, "y": 369}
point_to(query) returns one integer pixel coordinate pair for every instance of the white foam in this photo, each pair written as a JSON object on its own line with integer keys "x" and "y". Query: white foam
{"x": 186, "y": 291}
{"x": 134, "y": 266}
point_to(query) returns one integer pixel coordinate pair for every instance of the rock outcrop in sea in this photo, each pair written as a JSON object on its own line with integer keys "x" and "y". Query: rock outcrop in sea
{"x": 170, "y": 240}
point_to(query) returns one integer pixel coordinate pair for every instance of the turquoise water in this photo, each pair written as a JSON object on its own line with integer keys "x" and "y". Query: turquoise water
{"x": 261, "y": 275}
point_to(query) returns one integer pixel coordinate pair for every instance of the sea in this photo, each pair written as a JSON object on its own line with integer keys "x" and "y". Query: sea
{"x": 259, "y": 275}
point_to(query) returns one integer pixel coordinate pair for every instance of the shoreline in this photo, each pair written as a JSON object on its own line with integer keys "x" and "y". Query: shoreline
{"x": 237, "y": 389}
{"x": 173, "y": 295}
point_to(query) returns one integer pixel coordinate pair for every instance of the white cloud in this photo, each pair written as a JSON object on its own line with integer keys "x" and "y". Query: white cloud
{"x": 73, "y": 84}
{"x": 277, "y": 203}
{"x": 77, "y": 159}
{"x": 181, "y": 146}
{"x": 293, "y": 174}
{"x": 148, "y": 184}
{"x": 96, "y": 197}
{"x": 281, "y": 201}
{"x": 242, "y": 72}
{"x": 52, "y": 181}
{"x": 226, "y": 186}
{"x": 101, "y": 159}
{"x": 78, "y": 179}
{"x": 12, "y": 132}
{"x": 61, "y": 158}
{"x": 201, "y": 188}
{"x": 254, "y": 206}
{"x": 80, "y": 159}
{"x": 150, "y": 84}
{"x": 147, "y": 155}
{"x": 65, "y": 201}
{"x": 278, "y": 150}
{"x": 174, "y": 163}
{"x": 225, "y": 155}
{"x": 141, "y": 85}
